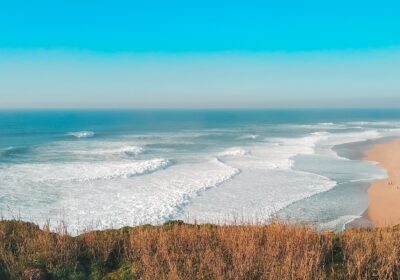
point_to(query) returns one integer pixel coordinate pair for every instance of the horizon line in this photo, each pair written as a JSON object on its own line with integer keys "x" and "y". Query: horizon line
{"x": 191, "y": 109}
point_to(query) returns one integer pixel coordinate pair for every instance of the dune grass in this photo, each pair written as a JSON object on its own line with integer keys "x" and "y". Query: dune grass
{"x": 181, "y": 251}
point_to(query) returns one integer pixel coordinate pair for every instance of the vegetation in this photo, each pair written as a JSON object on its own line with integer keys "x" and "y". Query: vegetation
{"x": 181, "y": 251}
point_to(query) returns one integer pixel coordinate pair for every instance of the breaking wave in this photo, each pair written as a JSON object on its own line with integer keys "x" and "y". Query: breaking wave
{"x": 127, "y": 150}
{"x": 233, "y": 152}
{"x": 81, "y": 134}
{"x": 80, "y": 171}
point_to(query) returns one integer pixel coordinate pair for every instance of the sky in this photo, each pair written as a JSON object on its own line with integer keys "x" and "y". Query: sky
{"x": 199, "y": 54}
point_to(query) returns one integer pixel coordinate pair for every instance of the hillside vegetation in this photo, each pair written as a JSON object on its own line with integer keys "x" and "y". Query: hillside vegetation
{"x": 181, "y": 251}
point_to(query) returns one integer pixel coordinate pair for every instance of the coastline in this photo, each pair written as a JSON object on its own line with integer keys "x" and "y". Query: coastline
{"x": 359, "y": 151}
{"x": 384, "y": 194}
{"x": 344, "y": 205}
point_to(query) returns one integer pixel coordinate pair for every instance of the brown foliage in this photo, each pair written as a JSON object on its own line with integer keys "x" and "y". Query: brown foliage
{"x": 181, "y": 251}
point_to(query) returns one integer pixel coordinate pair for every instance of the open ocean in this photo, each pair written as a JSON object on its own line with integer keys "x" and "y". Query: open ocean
{"x": 103, "y": 169}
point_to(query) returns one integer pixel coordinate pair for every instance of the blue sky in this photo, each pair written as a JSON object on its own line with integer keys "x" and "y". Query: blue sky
{"x": 195, "y": 54}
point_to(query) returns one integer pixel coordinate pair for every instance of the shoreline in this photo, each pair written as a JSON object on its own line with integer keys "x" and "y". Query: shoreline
{"x": 384, "y": 194}
{"x": 359, "y": 151}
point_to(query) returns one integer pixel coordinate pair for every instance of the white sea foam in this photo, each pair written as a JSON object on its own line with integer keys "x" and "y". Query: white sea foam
{"x": 255, "y": 195}
{"x": 94, "y": 181}
{"x": 327, "y": 124}
{"x": 318, "y": 126}
{"x": 89, "y": 150}
{"x": 334, "y": 139}
{"x": 375, "y": 123}
{"x": 79, "y": 171}
{"x": 154, "y": 198}
{"x": 267, "y": 183}
{"x": 339, "y": 223}
{"x": 81, "y": 134}
{"x": 351, "y": 137}
{"x": 280, "y": 152}
{"x": 233, "y": 152}
{"x": 128, "y": 150}
{"x": 249, "y": 136}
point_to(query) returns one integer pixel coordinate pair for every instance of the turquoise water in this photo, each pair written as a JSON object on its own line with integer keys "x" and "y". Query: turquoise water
{"x": 102, "y": 169}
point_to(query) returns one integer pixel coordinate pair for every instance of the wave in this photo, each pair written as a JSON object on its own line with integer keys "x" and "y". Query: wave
{"x": 11, "y": 151}
{"x": 326, "y": 141}
{"x": 226, "y": 173}
{"x": 127, "y": 150}
{"x": 185, "y": 182}
{"x": 381, "y": 174}
{"x": 81, "y": 134}
{"x": 7, "y": 151}
{"x": 280, "y": 152}
{"x": 326, "y": 123}
{"x": 318, "y": 126}
{"x": 306, "y": 185}
{"x": 351, "y": 137}
{"x": 256, "y": 195}
{"x": 249, "y": 137}
{"x": 152, "y": 199}
{"x": 338, "y": 224}
{"x": 375, "y": 123}
{"x": 234, "y": 152}
{"x": 81, "y": 171}
{"x": 96, "y": 190}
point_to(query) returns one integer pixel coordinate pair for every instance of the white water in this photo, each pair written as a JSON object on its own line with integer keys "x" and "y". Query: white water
{"x": 81, "y": 134}
{"x": 78, "y": 172}
{"x": 205, "y": 175}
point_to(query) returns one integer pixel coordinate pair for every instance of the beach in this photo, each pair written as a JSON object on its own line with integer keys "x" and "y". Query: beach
{"x": 384, "y": 194}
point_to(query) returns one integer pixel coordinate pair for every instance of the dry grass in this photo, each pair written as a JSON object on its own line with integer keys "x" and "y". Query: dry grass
{"x": 179, "y": 251}
{"x": 372, "y": 254}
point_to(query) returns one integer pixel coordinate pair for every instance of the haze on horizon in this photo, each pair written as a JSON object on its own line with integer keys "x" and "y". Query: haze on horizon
{"x": 230, "y": 54}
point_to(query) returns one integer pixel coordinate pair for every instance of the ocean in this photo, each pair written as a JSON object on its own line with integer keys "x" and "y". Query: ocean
{"x": 96, "y": 169}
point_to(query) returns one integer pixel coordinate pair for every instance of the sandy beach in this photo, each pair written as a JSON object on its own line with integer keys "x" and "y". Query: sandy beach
{"x": 384, "y": 195}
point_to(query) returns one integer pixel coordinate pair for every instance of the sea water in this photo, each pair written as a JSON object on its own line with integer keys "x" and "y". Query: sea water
{"x": 107, "y": 169}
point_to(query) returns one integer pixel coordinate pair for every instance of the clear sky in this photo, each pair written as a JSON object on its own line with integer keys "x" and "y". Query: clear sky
{"x": 199, "y": 54}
